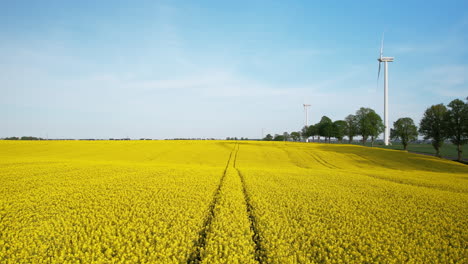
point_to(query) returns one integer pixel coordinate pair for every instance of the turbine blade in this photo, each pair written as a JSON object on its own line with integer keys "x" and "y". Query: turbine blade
{"x": 381, "y": 45}
{"x": 378, "y": 73}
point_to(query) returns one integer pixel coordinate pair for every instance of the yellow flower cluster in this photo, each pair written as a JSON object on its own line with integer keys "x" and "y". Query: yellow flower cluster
{"x": 228, "y": 202}
{"x": 349, "y": 204}
{"x": 94, "y": 203}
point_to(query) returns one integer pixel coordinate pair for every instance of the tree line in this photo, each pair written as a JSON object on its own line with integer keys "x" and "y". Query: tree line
{"x": 23, "y": 138}
{"x": 439, "y": 123}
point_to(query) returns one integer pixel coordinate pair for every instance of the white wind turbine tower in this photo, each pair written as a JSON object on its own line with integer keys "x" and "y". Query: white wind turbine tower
{"x": 306, "y": 119}
{"x": 385, "y": 60}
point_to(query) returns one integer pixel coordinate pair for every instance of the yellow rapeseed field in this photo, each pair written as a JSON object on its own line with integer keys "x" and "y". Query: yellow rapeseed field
{"x": 228, "y": 202}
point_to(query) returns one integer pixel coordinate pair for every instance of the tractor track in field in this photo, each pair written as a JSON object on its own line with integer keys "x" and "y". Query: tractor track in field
{"x": 195, "y": 256}
{"x": 413, "y": 184}
{"x": 294, "y": 160}
{"x": 260, "y": 252}
{"x": 322, "y": 161}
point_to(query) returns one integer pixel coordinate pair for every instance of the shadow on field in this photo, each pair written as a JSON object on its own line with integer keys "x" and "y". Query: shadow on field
{"x": 398, "y": 160}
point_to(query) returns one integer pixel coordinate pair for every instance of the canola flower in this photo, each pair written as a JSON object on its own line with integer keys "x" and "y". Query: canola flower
{"x": 228, "y": 202}
{"x": 85, "y": 206}
{"x": 352, "y": 206}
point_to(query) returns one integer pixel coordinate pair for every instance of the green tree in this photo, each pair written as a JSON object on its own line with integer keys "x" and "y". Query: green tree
{"x": 325, "y": 128}
{"x": 286, "y": 136}
{"x": 405, "y": 130}
{"x": 370, "y": 124}
{"x": 457, "y": 124}
{"x": 295, "y": 136}
{"x": 377, "y": 126}
{"x": 363, "y": 123}
{"x": 268, "y": 137}
{"x": 312, "y": 131}
{"x": 305, "y": 133}
{"x": 339, "y": 130}
{"x": 433, "y": 126}
{"x": 352, "y": 127}
{"x": 278, "y": 137}
{"x": 12, "y": 138}
{"x": 30, "y": 138}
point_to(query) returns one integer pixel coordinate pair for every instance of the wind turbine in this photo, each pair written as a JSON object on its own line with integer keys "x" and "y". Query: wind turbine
{"x": 306, "y": 121}
{"x": 385, "y": 60}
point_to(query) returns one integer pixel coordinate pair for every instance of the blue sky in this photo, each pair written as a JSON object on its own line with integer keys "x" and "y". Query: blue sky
{"x": 167, "y": 69}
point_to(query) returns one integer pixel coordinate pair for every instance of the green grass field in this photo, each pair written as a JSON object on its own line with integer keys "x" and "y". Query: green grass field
{"x": 448, "y": 150}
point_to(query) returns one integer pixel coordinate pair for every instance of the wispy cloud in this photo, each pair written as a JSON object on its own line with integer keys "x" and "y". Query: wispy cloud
{"x": 208, "y": 83}
{"x": 445, "y": 80}
{"x": 419, "y": 48}
{"x": 451, "y": 41}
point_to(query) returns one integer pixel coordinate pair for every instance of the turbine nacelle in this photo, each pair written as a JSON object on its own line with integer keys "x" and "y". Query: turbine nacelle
{"x": 385, "y": 59}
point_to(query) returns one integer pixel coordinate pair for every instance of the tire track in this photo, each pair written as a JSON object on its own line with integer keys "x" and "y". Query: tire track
{"x": 413, "y": 184}
{"x": 295, "y": 160}
{"x": 195, "y": 256}
{"x": 322, "y": 161}
{"x": 260, "y": 252}
{"x": 235, "y": 156}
